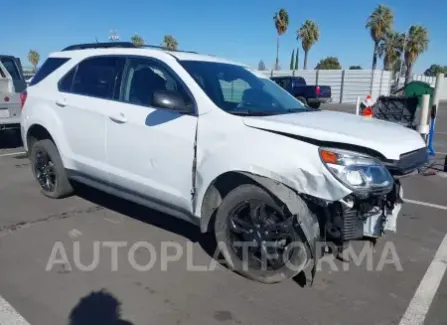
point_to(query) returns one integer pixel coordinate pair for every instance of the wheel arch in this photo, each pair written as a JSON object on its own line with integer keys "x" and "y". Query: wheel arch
{"x": 37, "y": 132}
{"x": 225, "y": 182}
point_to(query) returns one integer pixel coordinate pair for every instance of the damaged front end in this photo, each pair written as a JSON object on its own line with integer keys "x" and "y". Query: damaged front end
{"x": 359, "y": 217}
{"x": 369, "y": 210}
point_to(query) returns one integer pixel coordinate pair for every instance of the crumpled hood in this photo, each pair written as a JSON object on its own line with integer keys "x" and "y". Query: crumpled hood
{"x": 390, "y": 139}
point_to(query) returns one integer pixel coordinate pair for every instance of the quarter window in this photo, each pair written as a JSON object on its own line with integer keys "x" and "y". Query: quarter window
{"x": 47, "y": 68}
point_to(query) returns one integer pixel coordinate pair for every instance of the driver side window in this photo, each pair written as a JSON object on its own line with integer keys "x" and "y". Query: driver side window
{"x": 144, "y": 77}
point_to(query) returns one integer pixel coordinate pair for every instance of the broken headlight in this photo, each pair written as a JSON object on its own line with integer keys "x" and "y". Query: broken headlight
{"x": 357, "y": 171}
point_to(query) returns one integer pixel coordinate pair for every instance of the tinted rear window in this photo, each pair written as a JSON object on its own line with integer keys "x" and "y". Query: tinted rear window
{"x": 50, "y": 65}
{"x": 11, "y": 67}
{"x": 97, "y": 76}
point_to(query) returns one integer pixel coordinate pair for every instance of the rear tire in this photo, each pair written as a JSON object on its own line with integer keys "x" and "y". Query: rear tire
{"x": 48, "y": 170}
{"x": 302, "y": 100}
{"x": 315, "y": 105}
{"x": 294, "y": 256}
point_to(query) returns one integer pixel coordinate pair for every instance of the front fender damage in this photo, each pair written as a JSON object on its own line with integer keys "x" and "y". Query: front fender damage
{"x": 298, "y": 208}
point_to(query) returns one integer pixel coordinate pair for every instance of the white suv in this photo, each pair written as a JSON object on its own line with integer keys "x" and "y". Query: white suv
{"x": 216, "y": 144}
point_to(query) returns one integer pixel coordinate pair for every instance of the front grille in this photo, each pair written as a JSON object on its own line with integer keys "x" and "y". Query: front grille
{"x": 352, "y": 225}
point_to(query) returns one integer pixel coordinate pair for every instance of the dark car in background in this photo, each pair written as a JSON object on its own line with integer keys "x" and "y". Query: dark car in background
{"x": 310, "y": 95}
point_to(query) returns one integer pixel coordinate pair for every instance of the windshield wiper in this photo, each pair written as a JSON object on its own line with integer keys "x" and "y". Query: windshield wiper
{"x": 254, "y": 113}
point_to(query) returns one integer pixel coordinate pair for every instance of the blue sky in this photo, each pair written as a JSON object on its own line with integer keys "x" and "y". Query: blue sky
{"x": 235, "y": 29}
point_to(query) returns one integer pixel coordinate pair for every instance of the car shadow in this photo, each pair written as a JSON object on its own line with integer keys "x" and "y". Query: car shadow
{"x": 97, "y": 308}
{"x": 149, "y": 216}
{"x": 10, "y": 139}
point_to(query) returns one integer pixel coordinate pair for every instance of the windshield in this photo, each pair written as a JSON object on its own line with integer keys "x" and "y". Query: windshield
{"x": 11, "y": 67}
{"x": 236, "y": 90}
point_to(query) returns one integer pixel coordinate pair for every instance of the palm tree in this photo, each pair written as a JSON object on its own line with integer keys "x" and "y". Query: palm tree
{"x": 416, "y": 44}
{"x": 391, "y": 49}
{"x": 137, "y": 40}
{"x": 170, "y": 43}
{"x": 380, "y": 23}
{"x": 281, "y": 20}
{"x": 33, "y": 58}
{"x": 309, "y": 34}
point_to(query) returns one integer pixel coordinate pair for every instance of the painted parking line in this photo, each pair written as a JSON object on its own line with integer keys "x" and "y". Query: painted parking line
{"x": 12, "y": 153}
{"x": 422, "y": 299}
{"x": 426, "y": 204}
{"x": 9, "y": 316}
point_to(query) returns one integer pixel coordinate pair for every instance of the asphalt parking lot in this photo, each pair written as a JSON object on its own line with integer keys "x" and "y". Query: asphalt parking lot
{"x": 89, "y": 286}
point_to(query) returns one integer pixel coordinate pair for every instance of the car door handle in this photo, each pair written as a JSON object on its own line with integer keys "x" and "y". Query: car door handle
{"x": 61, "y": 102}
{"x": 119, "y": 118}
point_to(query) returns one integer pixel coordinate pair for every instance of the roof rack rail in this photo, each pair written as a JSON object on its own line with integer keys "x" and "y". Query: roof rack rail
{"x": 117, "y": 45}
{"x": 100, "y": 46}
{"x": 165, "y": 49}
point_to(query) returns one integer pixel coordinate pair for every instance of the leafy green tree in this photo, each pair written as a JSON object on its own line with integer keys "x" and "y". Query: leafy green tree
{"x": 391, "y": 49}
{"x": 292, "y": 59}
{"x": 170, "y": 43}
{"x": 309, "y": 34}
{"x": 416, "y": 44}
{"x": 137, "y": 40}
{"x": 281, "y": 20}
{"x": 297, "y": 56}
{"x": 34, "y": 58}
{"x": 261, "y": 66}
{"x": 380, "y": 23}
{"x": 355, "y": 67}
{"x": 435, "y": 69}
{"x": 329, "y": 63}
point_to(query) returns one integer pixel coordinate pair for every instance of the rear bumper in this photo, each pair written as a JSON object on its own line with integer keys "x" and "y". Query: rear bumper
{"x": 319, "y": 100}
{"x": 7, "y": 125}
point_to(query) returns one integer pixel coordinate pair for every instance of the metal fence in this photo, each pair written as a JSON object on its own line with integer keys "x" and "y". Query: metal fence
{"x": 346, "y": 85}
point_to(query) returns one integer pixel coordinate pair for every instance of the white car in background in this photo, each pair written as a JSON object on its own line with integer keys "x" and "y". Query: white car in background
{"x": 211, "y": 142}
{"x": 12, "y": 92}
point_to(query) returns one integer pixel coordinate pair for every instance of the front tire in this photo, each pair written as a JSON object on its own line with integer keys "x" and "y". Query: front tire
{"x": 48, "y": 170}
{"x": 257, "y": 237}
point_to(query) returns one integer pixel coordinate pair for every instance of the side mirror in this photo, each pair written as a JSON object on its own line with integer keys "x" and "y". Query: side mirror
{"x": 170, "y": 100}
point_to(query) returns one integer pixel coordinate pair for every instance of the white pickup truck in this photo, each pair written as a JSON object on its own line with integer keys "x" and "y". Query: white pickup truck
{"x": 12, "y": 89}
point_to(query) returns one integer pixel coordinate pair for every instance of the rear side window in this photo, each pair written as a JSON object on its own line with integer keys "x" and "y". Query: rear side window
{"x": 299, "y": 82}
{"x": 67, "y": 81}
{"x": 98, "y": 76}
{"x": 11, "y": 67}
{"x": 49, "y": 66}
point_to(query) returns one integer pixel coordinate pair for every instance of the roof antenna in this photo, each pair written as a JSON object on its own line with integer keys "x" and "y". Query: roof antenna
{"x": 96, "y": 38}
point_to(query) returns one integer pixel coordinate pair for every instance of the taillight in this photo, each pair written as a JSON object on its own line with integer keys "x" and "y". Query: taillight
{"x": 317, "y": 90}
{"x": 23, "y": 96}
{"x": 6, "y": 99}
